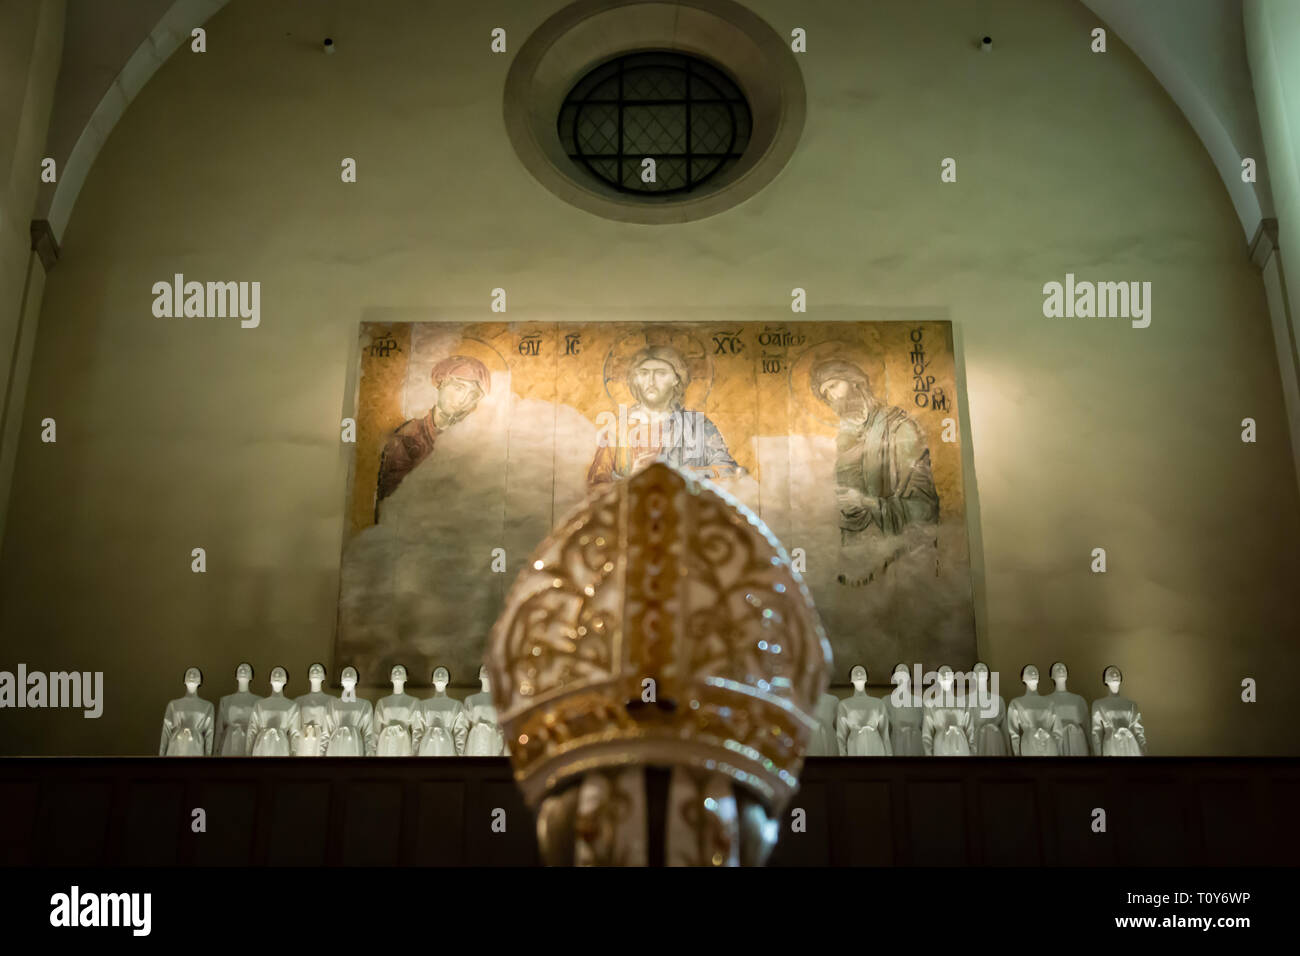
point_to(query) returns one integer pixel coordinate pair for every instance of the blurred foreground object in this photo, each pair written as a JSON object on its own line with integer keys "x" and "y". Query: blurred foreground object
{"x": 656, "y": 670}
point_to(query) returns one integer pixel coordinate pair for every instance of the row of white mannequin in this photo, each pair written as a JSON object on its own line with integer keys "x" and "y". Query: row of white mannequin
{"x": 978, "y": 722}
{"x": 318, "y": 724}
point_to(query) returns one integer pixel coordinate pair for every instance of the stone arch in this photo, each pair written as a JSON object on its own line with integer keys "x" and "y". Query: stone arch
{"x": 171, "y": 31}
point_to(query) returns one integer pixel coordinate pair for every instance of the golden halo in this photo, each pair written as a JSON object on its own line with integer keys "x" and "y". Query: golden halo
{"x": 492, "y": 360}
{"x": 689, "y": 346}
{"x": 871, "y": 364}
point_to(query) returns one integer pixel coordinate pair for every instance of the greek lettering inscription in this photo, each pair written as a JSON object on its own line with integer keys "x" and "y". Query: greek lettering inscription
{"x": 922, "y": 383}
{"x": 382, "y": 347}
{"x": 727, "y": 343}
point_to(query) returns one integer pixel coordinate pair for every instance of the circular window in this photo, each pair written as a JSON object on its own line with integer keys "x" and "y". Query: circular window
{"x": 704, "y": 88}
{"x": 655, "y": 123}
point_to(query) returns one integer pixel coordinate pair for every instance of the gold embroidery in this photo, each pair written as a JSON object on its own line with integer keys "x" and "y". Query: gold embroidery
{"x": 663, "y": 578}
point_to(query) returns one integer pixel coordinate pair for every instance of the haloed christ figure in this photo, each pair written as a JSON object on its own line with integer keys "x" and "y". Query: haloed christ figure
{"x": 462, "y": 381}
{"x": 887, "y": 502}
{"x": 658, "y": 428}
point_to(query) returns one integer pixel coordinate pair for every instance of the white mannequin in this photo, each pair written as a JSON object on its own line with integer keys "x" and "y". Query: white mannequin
{"x": 272, "y": 724}
{"x": 309, "y": 734}
{"x": 988, "y": 730}
{"x": 946, "y": 729}
{"x": 823, "y": 743}
{"x": 484, "y": 738}
{"x": 1116, "y": 722}
{"x": 233, "y": 713}
{"x": 1032, "y": 726}
{"x": 349, "y": 723}
{"x": 397, "y": 719}
{"x": 443, "y": 724}
{"x": 187, "y": 722}
{"x": 905, "y": 717}
{"x": 862, "y": 721}
{"x": 1072, "y": 711}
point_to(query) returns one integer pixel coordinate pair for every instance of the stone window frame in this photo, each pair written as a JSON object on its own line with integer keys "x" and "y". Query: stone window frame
{"x": 581, "y": 36}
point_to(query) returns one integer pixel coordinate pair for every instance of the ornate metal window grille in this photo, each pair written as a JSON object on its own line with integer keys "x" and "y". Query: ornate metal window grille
{"x": 680, "y": 111}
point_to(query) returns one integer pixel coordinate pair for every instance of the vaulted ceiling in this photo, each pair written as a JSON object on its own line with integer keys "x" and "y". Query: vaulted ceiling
{"x": 1195, "y": 48}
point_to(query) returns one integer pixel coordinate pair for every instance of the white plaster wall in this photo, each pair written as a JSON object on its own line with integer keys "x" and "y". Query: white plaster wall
{"x": 1197, "y": 50}
{"x": 31, "y": 41}
{"x": 175, "y": 434}
{"x": 99, "y": 39}
{"x": 1273, "y": 38}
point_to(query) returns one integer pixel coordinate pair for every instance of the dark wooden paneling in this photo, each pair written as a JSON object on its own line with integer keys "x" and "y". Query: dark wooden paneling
{"x": 1151, "y": 823}
{"x": 72, "y": 821}
{"x": 19, "y": 800}
{"x": 811, "y": 846}
{"x": 1010, "y": 824}
{"x": 859, "y": 812}
{"x": 231, "y": 808}
{"x": 864, "y": 832}
{"x": 936, "y": 822}
{"x": 1073, "y": 800}
{"x": 153, "y": 821}
{"x": 486, "y": 844}
{"x": 1284, "y": 824}
{"x": 372, "y": 823}
{"x": 440, "y": 825}
{"x": 1225, "y": 808}
{"x": 299, "y": 831}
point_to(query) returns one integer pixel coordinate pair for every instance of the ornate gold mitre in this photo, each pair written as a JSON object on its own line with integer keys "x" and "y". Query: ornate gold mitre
{"x": 660, "y": 624}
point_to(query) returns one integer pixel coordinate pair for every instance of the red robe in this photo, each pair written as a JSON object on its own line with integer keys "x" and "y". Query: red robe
{"x": 407, "y": 446}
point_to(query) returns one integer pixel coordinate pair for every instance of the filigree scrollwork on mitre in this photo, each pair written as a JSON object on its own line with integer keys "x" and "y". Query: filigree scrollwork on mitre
{"x": 660, "y": 624}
